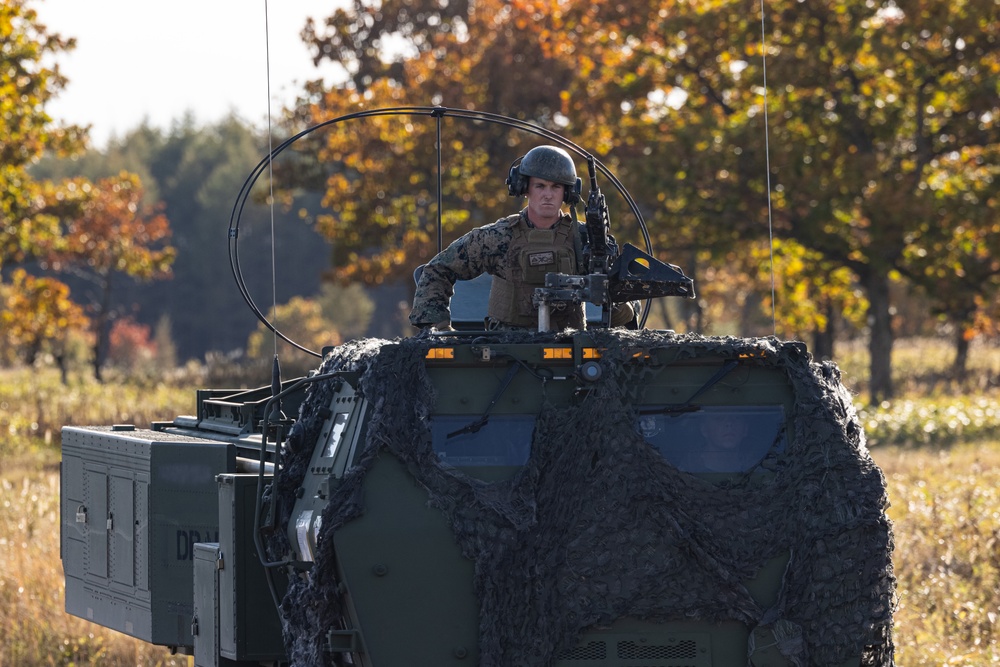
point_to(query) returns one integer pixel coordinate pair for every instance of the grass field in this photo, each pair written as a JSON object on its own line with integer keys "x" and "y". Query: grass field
{"x": 943, "y": 481}
{"x": 946, "y": 522}
{"x": 35, "y": 630}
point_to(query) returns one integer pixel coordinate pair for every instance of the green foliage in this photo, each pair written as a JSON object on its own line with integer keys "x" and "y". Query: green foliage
{"x": 35, "y": 405}
{"x": 922, "y": 367}
{"x": 937, "y": 410}
{"x": 27, "y": 82}
{"x": 934, "y": 422}
{"x": 301, "y": 320}
{"x": 348, "y": 307}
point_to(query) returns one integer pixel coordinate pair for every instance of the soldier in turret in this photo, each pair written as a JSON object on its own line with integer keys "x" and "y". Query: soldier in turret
{"x": 517, "y": 251}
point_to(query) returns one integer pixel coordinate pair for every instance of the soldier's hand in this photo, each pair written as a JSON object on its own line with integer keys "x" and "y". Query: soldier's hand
{"x": 426, "y": 329}
{"x": 625, "y": 314}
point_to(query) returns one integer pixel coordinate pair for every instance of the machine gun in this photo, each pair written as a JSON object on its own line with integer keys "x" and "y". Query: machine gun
{"x": 612, "y": 276}
{"x": 601, "y": 249}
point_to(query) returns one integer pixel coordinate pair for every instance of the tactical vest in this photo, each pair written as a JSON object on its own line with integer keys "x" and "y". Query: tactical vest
{"x": 533, "y": 253}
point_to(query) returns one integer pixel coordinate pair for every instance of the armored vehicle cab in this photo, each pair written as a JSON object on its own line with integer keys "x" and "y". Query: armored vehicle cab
{"x": 600, "y": 498}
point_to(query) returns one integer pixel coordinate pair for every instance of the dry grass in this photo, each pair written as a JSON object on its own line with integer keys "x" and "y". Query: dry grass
{"x": 35, "y": 630}
{"x": 35, "y": 405}
{"x": 945, "y": 511}
{"x": 946, "y": 521}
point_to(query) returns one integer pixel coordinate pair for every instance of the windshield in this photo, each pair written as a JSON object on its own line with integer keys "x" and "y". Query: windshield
{"x": 715, "y": 438}
{"x": 503, "y": 440}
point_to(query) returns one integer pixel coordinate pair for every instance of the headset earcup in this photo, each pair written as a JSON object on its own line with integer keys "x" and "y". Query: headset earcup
{"x": 516, "y": 183}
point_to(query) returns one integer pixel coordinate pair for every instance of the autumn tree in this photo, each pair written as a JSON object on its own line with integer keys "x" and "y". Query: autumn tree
{"x": 114, "y": 234}
{"x": 302, "y": 320}
{"x": 535, "y": 62}
{"x": 869, "y": 104}
{"x": 38, "y": 317}
{"x": 196, "y": 172}
{"x": 26, "y": 132}
{"x": 380, "y": 173}
{"x": 958, "y": 265}
{"x": 909, "y": 88}
{"x": 816, "y": 294}
{"x": 38, "y": 314}
{"x": 129, "y": 344}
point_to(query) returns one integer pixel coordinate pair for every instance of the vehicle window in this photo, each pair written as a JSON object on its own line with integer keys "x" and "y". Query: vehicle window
{"x": 504, "y": 440}
{"x": 714, "y": 438}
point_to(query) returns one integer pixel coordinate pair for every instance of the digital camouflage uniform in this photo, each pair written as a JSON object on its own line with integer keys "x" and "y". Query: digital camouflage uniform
{"x": 488, "y": 249}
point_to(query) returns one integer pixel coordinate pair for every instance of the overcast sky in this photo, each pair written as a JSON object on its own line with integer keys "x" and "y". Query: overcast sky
{"x": 137, "y": 59}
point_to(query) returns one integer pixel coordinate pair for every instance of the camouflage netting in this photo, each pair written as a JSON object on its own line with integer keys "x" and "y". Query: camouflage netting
{"x": 598, "y": 526}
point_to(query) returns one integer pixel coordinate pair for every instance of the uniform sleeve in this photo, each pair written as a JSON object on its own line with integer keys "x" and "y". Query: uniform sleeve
{"x": 466, "y": 258}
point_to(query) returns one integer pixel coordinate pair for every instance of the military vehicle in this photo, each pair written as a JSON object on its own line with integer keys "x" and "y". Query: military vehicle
{"x": 577, "y": 498}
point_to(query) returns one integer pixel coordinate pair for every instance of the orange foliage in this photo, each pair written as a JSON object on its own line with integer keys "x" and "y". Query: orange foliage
{"x": 37, "y": 315}
{"x": 115, "y": 233}
{"x": 129, "y": 343}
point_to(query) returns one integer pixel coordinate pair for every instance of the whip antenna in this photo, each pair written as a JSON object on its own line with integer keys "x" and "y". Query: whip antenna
{"x": 275, "y": 367}
{"x": 270, "y": 175}
{"x": 767, "y": 163}
{"x": 438, "y": 114}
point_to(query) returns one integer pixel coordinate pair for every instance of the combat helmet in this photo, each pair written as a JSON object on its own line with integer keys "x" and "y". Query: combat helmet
{"x": 549, "y": 162}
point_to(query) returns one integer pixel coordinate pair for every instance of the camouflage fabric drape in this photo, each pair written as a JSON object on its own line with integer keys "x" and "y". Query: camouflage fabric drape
{"x": 598, "y": 526}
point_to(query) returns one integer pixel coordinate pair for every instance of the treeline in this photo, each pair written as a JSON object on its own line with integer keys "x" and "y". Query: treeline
{"x": 196, "y": 174}
{"x": 878, "y": 215}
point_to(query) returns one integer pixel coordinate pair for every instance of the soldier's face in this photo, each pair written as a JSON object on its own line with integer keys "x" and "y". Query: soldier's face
{"x": 725, "y": 431}
{"x": 544, "y": 202}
